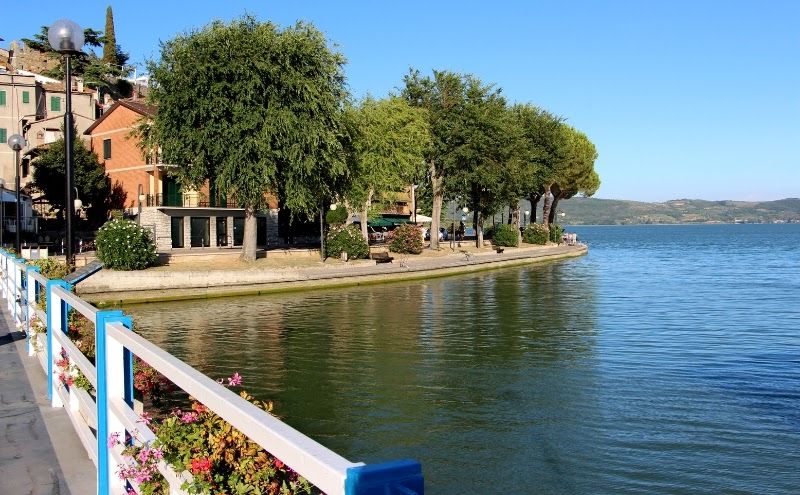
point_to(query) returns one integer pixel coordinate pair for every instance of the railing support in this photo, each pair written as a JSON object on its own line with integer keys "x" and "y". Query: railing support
{"x": 55, "y": 322}
{"x": 390, "y": 478}
{"x": 114, "y": 366}
{"x": 30, "y": 299}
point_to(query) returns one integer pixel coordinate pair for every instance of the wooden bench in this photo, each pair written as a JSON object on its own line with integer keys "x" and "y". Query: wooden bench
{"x": 381, "y": 257}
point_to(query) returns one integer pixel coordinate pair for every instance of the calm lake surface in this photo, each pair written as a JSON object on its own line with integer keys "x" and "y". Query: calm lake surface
{"x": 665, "y": 361}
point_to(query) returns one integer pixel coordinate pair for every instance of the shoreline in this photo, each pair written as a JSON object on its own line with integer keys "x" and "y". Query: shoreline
{"x": 110, "y": 288}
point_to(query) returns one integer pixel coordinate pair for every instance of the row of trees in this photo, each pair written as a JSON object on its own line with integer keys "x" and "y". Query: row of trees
{"x": 257, "y": 110}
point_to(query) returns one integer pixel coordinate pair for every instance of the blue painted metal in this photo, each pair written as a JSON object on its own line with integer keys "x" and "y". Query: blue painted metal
{"x": 101, "y": 365}
{"x": 50, "y": 285}
{"x": 28, "y": 280}
{"x": 390, "y": 478}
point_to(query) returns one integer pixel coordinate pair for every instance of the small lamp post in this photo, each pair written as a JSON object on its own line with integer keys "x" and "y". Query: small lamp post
{"x": 2, "y": 209}
{"x": 141, "y": 198}
{"x": 16, "y": 143}
{"x": 66, "y": 37}
{"x": 525, "y": 222}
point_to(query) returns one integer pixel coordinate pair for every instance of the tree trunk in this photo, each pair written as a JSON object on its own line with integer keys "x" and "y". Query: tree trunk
{"x": 349, "y": 220}
{"x": 546, "y": 206}
{"x": 364, "y": 215}
{"x": 249, "y": 242}
{"x": 534, "y": 199}
{"x": 479, "y": 229}
{"x": 436, "y": 185}
{"x": 322, "y": 254}
{"x": 554, "y": 206}
{"x": 513, "y": 217}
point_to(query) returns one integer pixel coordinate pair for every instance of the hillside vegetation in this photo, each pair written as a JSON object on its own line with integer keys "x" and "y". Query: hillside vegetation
{"x": 593, "y": 211}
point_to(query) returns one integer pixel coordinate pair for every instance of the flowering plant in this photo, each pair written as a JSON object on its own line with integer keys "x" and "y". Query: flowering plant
{"x": 221, "y": 459}
{"x": 123, "y": 245}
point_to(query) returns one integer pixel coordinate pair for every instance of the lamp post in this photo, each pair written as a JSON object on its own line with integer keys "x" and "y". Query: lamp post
{"x": 141, "y": 197}
{"x": 2, "y": 209}
{"x": 525, "y": 222}
{"x": 16, "y": 143}
{"x": 66, "y": 37}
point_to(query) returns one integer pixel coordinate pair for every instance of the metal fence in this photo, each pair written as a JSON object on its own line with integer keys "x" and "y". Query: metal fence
{"x": 109, "y": 411}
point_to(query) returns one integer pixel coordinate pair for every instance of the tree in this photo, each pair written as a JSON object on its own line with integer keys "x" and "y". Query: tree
{"x": 576, "y": 173}
{"x": 254, "y": 110}
{"x": 106, "y": 73}
{"x": 388, "y": 142}
{"x": 443, "y": 96}
{"x": 110, "y": 40}
{"x": 94, "y": 186}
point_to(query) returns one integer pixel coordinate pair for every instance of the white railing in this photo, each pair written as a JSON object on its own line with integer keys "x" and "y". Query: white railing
{"x": 109, "y": 412}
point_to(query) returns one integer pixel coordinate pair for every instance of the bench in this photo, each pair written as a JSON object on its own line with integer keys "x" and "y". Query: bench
{"x": 381, "y": 257}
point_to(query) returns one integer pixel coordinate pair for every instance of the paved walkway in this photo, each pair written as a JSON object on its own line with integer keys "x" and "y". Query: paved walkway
{"x": 39, "y": 452}
{"x": 190, "y": 281}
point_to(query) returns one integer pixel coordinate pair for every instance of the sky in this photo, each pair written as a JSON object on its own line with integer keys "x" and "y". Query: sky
{"x": 683, "y": 99}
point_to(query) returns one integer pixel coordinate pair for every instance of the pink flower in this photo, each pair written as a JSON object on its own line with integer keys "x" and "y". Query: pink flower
{"x": 145, "y": 418}
{"x": 235, "y": 380}
{"x": 113, "y": 440}
{"x": 189, "y": 417}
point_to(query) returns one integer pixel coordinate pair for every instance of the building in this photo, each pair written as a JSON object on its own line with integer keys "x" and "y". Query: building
{"x": 179, "y": 219}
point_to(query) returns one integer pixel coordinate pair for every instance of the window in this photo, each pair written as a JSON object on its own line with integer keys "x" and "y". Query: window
{"x": 3, "y": 136}
{"x": 55, "y": 103}
{"x": 2, "y": 98}
{"x": 106, "y": 149}
{"x": 176, "y": 224}
{"x": 222, "y": 231}
{"x": 26, "y": 97}
{"x": 200, "y": 231}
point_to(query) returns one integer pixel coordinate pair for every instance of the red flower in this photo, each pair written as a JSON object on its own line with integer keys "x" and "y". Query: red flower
{"x": 200, "y": 465}
{"x": 279, "y": 464}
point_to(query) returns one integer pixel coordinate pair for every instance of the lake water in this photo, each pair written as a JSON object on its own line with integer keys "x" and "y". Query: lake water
{"x": 665, "y": 361}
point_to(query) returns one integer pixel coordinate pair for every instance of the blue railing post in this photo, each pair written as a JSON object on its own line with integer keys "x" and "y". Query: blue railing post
{"x": 51, "y": 326}
{"x": 390, "y": 478}
{"x": 109, "y": 362}
{"x": 30, "y": 299}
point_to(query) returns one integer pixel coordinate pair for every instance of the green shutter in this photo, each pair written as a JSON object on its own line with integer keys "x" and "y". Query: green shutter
{"x": 2, "y": 98}
{"x": 3, "y": 136}
{"x": 55, "y": 103}
{"x": 26, "y": 97}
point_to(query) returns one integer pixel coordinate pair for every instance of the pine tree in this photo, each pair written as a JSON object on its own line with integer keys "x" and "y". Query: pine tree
{"x": 110, "y": 44}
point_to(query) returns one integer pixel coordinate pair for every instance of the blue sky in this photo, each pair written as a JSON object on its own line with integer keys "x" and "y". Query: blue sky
{"x": 683, "y": 99}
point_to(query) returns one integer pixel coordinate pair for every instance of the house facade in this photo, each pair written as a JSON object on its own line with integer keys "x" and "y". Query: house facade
{"x": 179, "y": 219}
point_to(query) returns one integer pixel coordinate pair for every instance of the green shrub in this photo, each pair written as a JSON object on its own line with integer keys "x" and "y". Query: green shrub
{"x": 51, "y": 268}
{"x": 346, "y": 240}
{"x": 406, "y": 239}
{"x": 337, "y": 216}
{"x": 505, "y": 235}
{"x": 556, "y": 231}
{"x": 123, "y": 245}
{"x": 535, "y": 233}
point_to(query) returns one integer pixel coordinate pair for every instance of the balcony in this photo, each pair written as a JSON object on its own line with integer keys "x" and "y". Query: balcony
{"x": 188, "y": 200}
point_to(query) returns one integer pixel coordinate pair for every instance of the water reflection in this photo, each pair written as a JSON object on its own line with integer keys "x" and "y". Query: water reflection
{"x": 472, "y": 375}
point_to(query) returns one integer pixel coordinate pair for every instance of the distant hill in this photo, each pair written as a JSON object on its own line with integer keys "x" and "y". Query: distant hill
{"x": 592, "y": 211}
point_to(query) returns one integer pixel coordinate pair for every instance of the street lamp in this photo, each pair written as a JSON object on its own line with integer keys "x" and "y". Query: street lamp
{"x": 16, "y": 143}
{"x": 66, "y": 37}
{"x": 141, "y": 198}
{"x": 525, "y": 222}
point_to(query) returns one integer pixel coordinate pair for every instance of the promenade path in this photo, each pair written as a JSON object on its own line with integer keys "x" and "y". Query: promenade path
{"x": 40, "y": 453}
{"x": 208, "y": 278}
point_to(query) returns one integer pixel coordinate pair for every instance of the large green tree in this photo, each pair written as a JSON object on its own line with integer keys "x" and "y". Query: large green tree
{"x": 389, "y": 139}
{"x": 110, "y": 41}
{"x": 576, "y": 172}
{"x": 255, "y": 110}
{"x": 444, "y": 98}
{"x": 93, "y": 185}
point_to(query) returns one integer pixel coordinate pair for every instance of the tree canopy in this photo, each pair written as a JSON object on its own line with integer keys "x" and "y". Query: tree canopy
{"x": 255, "y": 110}
{"x": 388, "y": 141}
